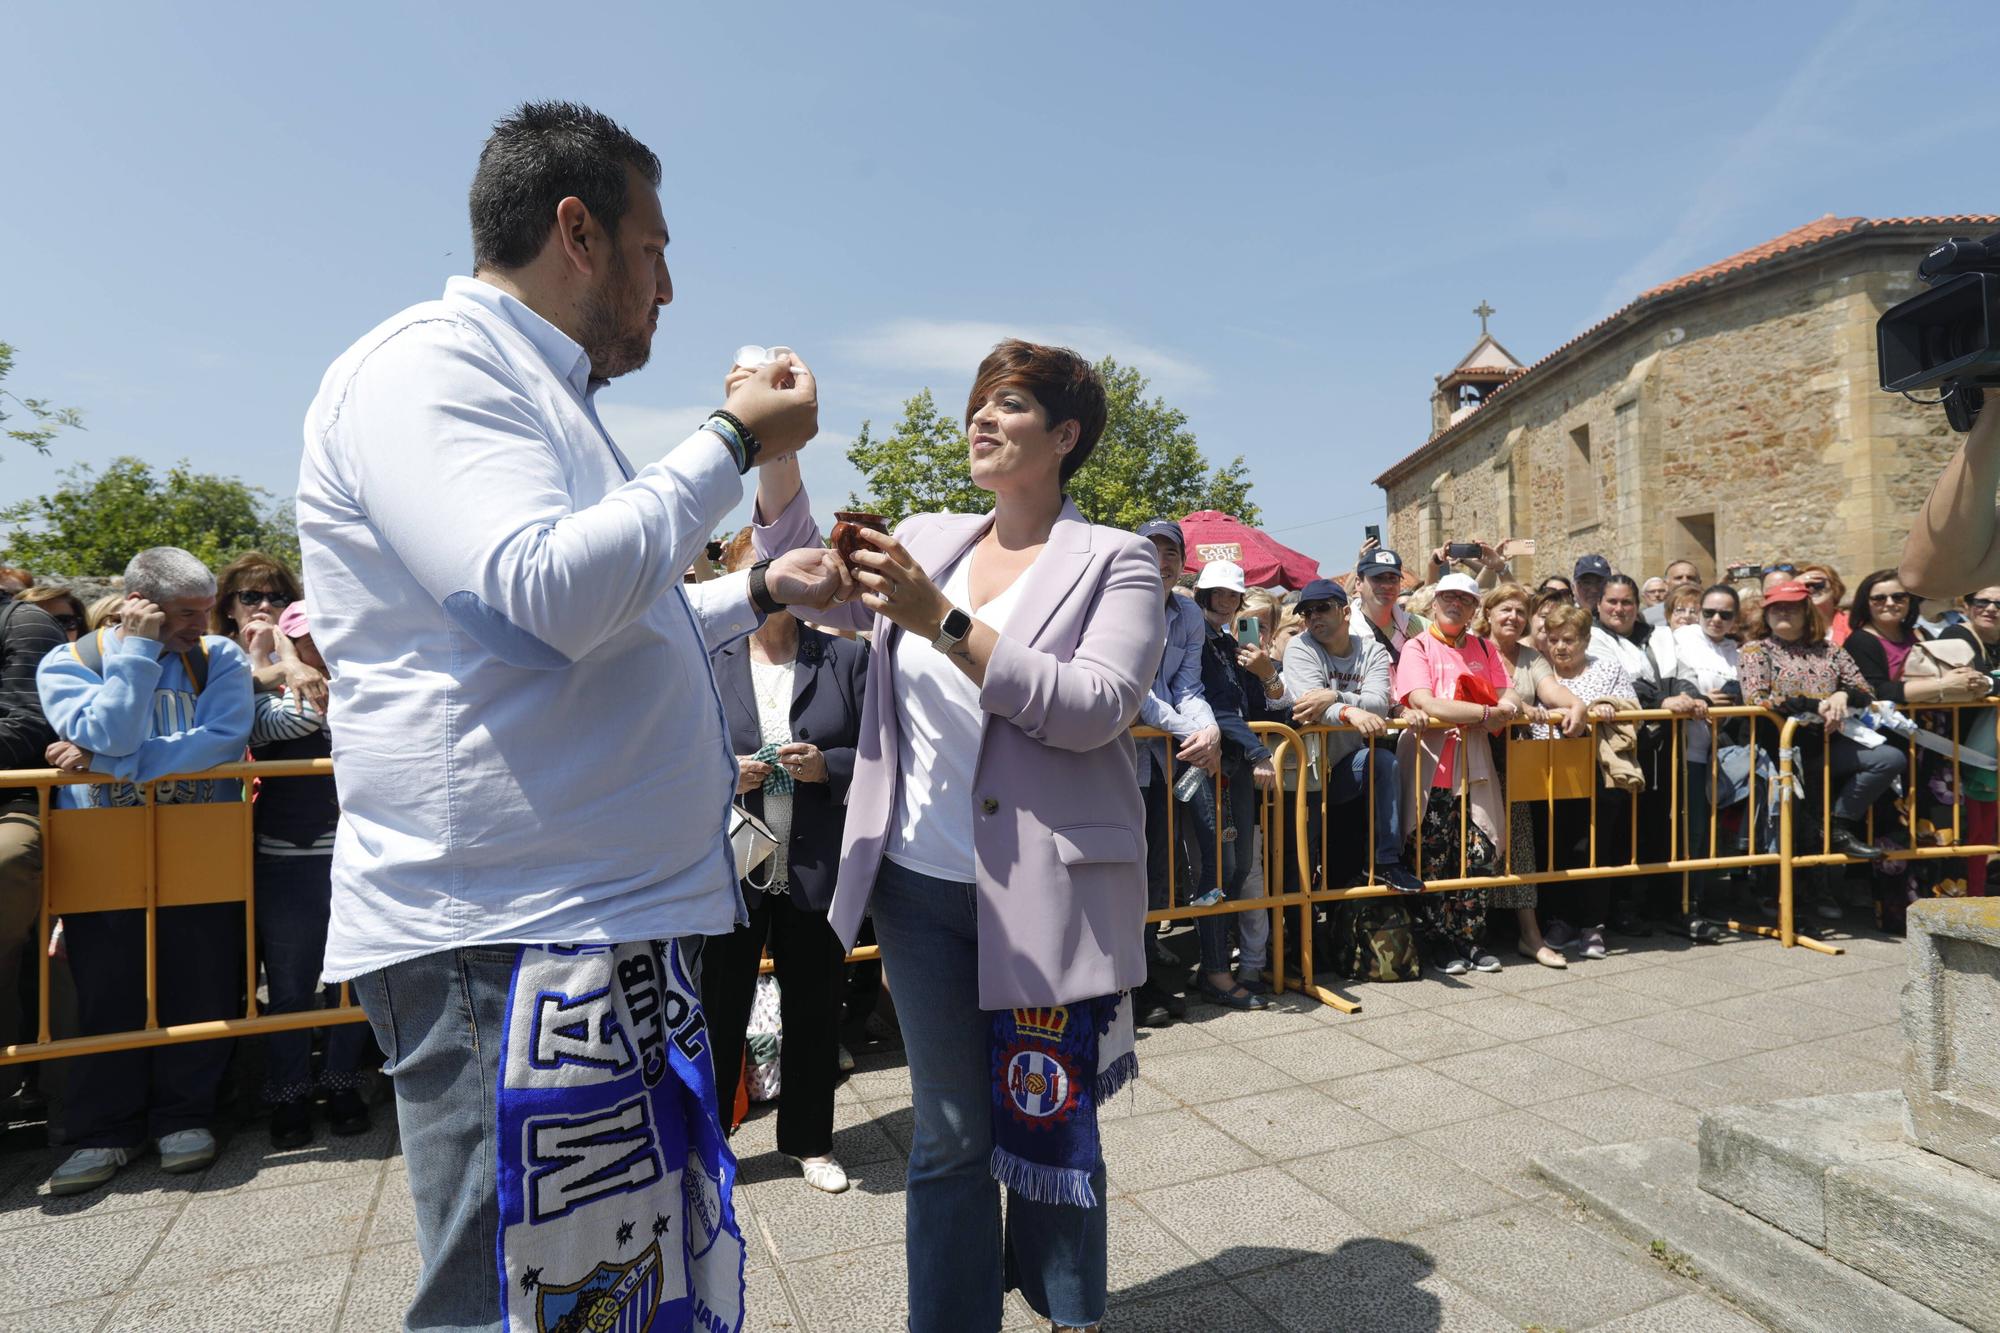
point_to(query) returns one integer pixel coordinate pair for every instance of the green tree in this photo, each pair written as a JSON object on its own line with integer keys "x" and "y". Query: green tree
{"x": 47, "y": 420}
{"x": 94, "y": 523}
{"x": 1147, "y": 462}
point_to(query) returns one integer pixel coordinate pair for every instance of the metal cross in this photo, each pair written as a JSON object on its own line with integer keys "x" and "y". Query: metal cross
{"x": 1483, "y": 311}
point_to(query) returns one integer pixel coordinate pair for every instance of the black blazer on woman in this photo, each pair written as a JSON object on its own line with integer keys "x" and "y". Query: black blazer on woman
{"x": 828, "y": 678}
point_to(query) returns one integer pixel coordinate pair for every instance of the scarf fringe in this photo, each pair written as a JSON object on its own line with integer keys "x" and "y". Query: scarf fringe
{"x": 1120, "y": 1072}
{"x": 1041, "y": 1183}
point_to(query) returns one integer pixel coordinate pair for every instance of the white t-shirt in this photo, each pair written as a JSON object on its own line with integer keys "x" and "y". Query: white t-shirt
{"x": 940, "y": 726}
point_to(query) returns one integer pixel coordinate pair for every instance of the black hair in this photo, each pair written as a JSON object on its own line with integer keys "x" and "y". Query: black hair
{"x": 1861, "y": 613}
{"x": 1625, "y": 579}
{"x": 1735, "y": 598}
{"x": 538, "y": 155}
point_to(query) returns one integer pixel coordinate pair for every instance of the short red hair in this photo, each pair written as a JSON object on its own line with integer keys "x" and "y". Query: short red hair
{"x": 1067, "y": 386}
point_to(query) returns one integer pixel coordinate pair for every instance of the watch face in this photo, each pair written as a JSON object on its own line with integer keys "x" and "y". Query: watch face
{"x": 958, "y": 624}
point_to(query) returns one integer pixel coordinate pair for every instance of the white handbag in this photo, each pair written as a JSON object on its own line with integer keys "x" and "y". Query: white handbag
{"x": 753, "y": 842}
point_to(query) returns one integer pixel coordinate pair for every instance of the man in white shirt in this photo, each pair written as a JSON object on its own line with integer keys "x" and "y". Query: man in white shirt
{"x": 532, "y": 761}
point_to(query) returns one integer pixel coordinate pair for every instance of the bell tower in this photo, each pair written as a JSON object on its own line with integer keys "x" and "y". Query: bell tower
{"x": 1479, "y": 373}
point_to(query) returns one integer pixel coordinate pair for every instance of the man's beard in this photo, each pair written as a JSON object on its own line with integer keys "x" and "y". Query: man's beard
{"x": 615, "y": 348}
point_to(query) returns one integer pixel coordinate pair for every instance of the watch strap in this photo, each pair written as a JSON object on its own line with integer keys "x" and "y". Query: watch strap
{"x": 760, "y": 591}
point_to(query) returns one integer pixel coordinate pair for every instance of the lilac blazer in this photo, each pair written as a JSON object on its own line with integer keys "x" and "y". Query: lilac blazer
{"x": 1059, "y": 834}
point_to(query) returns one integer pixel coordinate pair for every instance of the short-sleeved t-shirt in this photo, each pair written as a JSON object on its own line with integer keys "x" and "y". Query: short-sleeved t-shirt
{"x": 1429, "y": 663}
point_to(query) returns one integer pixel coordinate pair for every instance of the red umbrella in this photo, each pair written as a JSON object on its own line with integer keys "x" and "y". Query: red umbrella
{"x": 1267, "y": 563}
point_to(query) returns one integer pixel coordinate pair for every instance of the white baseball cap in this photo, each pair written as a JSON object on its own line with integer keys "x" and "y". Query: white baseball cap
{"x": 1224, "y": 574}
{"x": 1459, "y": 583}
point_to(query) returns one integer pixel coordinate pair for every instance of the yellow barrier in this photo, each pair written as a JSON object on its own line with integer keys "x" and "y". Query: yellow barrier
{"x": 152, "y": 855}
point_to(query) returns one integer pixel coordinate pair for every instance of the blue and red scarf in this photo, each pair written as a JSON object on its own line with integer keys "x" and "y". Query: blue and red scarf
{"x": 1053, "y": 1066}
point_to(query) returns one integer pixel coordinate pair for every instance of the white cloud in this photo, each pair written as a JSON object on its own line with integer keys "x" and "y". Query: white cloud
{"x": 957, "y": 346}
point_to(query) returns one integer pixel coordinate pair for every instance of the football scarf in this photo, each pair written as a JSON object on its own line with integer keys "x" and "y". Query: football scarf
{"x": 1053, "y": 1066}
{"x": 614, "y": 1177}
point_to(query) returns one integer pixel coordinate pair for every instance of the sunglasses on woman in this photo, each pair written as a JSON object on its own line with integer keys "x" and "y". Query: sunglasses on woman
{"x": 1887, "y": 598}
{"x": 74, "y": 624}
{"x": 258, "y": 597}
{"x": 1717, "y": 613}
{"x": 1983, "y": 603}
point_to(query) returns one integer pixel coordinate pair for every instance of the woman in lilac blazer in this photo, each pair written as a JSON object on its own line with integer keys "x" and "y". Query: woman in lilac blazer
{"x": 995, "y": 829}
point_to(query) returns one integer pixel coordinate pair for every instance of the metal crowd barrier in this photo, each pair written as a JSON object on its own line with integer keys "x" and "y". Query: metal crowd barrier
{"x": 161, "y": 855}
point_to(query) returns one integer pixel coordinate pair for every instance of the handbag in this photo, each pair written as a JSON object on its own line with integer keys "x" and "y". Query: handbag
{"x": 751, "y": 839}
{"x": 1933, "y": 659}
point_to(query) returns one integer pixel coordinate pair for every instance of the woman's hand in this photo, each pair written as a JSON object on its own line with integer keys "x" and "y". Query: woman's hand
{"x": 1252, "y": 658}
{"x": 1574, "y": 722}
{"x": 1264, "y": 774}
{"x": 750, "y": 774}
{"x": 895, "y": 586}
{"x": 1685, "y": 705}
{"x": 258, "y": 638}
{"x": 806, "y": 763}
{"x": 1833, "y": 709}
{"x": 305, "y": 682}
{"x": 1602, "y": 712}
{"x": 1721, "y": 699}
{"x": 1504, "y": 712}
{"x": 1968, "y": 682}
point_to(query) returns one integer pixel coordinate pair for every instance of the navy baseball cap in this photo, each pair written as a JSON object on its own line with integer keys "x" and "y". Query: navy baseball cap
{"x": 1164, "y": 527}
{"x": 1381, "y": 560}
{"x": 1322, "y": 590}
{"x": 1593, "y": 566}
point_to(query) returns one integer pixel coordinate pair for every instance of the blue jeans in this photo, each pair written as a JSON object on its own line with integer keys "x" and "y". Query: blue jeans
{"x": 440, "y": 1020}
{"x": 1238, "y": 860}
{"x": 960, "y": 1261}
{"x": 293, "y": 893}
{"x": 1347, "y": 780}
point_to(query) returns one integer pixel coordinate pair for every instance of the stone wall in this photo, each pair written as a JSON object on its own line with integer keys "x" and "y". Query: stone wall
{"x": 1755, "y": 403}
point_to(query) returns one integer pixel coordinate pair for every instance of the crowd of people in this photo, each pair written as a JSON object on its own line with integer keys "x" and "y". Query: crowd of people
{"x": 579, "y": 794}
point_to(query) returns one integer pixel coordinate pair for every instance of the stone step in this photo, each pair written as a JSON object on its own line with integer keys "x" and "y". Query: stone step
{"x": 1648, "y": 1190}
{"x": 1924, "y": 1225}
{"x": 1772, "y": 1160}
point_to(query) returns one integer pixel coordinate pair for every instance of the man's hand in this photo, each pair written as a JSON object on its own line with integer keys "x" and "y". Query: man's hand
{"x": 1253, "y": 659}
{"x": 64, "y": 755}
{"x": 806, "y": 763}
{"x": 1306, "y": 709}
{"x": 1366, "y": 725}
{"x": 142, "y": 619}
{"x": 1264, "y": 774}
{"x": 750, "y": 774}
{"x": 1685, "y": 705}
{"x": 1203, "y": 749}
{"x": 783, "y": 418}
{"x": 1372, "y": 544}
{"x": 810, "y": 577}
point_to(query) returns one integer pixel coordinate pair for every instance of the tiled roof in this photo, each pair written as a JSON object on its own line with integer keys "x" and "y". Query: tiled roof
{"x": 1798, "y": 238}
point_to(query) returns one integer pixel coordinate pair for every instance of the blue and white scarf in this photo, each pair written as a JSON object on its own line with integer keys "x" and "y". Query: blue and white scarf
{"x": 614, "y": 1176}
{"x": 1052, "y": 1068}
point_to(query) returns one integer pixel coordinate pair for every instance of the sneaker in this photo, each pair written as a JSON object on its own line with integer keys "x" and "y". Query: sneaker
{"x": 86, "y": 1169}
{"x": 291, "y": 1124}
{"x": 1593, "y": 943}
{"x": 823, "y": 1173}
{"x": 1209, "y": 899}
{"x": 1454, "y": 966}
{"x": 1398, "y": 877}
{"x": 1483, "y": 961}
{"x": 1558, "y": 934}
{"x": 186, "y": 1150}
{"x": 845, "y": 1059}
{"x": 348, "y": 1113}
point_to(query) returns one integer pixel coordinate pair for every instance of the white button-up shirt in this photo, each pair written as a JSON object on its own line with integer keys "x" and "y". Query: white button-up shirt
{"x": 528, "y": 743}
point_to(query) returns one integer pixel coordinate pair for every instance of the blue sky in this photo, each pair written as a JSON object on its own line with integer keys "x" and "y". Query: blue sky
{"x": 1283, "y": 214}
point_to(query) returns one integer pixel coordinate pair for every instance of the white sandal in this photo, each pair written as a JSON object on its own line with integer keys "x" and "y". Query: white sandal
{"x": 823, "y": 1174}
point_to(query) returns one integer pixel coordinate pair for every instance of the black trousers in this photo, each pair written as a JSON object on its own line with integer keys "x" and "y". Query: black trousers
{"x": 807, "y": 957}
{"x": 123, "y": 1098}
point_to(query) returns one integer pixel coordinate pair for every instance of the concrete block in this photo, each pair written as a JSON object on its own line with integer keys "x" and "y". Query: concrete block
{"x": 1928, "y": 1227}
{"x": 1951, "y": 1010}
{"x": 1772, "y": 1160}
{"x": 1648, "y": 1191}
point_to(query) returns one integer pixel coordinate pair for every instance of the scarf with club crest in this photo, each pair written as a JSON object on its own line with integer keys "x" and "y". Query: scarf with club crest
{"x": 1053, "y": 1066}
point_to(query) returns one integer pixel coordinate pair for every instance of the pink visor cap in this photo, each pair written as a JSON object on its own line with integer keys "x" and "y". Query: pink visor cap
{"x": 292, "y": 621}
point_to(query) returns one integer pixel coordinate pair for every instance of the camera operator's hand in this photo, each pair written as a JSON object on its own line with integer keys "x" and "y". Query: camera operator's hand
{"x": 783, "y": 418}
{"x": 1370, "y": 545}
{"x": 1954, "y": 544}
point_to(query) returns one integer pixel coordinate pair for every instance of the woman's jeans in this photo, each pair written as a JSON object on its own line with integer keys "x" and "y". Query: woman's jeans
{"x": 960, "y": 1261}
{"x": 293, "y": 896}
{"x": 1238, "y": 859}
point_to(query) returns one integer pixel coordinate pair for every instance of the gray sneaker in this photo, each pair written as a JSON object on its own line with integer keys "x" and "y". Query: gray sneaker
{"x": 186, "y": 1150}
{"x": 86, "y": 1169}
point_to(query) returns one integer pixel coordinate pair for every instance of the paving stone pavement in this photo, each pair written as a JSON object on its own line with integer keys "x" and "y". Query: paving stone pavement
{"x": 1297, "y": 1169}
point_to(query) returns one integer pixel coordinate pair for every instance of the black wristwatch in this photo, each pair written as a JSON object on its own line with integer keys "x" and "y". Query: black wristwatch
{"x": 760, "y": 591}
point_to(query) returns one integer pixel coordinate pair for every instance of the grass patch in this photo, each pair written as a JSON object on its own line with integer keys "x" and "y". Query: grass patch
{"x": 1674, "y": 1261}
